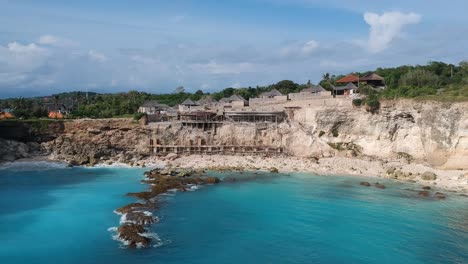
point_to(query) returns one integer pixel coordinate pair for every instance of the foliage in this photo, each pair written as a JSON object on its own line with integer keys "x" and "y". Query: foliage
{"x": 373, "y": 103}
{"x": 357, "y": 102}
{"x": 138, "y": 116}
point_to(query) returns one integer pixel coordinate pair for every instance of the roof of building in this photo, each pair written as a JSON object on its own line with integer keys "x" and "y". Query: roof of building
{"x": 154, "y": 104}
{"x": 188, "y": 102}
{"x": 206, "y": 100}
{"x": 372, "y": 77}
{"x": 233, "y": 98}
{"x": 349, "y": 86}
{"x": 6, "y": 115}
{"x": 271, "y": 93}
{"x": 314, "y": 89}
{"x": 348, "y": 79}
{"x": 55, "y": 115}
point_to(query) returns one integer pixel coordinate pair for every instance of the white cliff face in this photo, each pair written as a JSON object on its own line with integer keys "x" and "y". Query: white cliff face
{"x": 427, "y": 132}
{"x": 431, "y": 132}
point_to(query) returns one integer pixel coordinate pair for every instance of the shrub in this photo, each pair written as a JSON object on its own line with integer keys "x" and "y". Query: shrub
{"x": 373, "y": 103}
{"x": 357, "y": 102}
{"x": 138, "y": 116}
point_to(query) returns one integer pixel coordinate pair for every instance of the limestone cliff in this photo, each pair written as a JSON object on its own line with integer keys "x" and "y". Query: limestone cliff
{"x": 426, "y": 132}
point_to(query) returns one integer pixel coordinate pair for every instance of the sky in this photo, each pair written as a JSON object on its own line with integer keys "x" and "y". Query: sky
{"x": 51, "y": 46}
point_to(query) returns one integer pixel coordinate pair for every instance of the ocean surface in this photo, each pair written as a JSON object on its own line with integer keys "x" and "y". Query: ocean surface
{"x": 53, "y": 214}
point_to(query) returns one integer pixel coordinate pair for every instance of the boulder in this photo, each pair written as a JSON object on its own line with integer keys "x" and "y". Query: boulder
{"x": 426, "y": 188}
{"x": 172, "y": 156}
{"x": 428, "y": 176}
{"x": 274, "y": 170}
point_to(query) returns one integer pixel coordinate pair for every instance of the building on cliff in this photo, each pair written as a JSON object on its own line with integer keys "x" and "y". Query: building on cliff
{"x": 350, "y": 78}
{"x": 373, "y": 80}
{"x": 346, "y": 90}
{"x": 234, "y": 101}
{"x": 152, "y": 107}
{"x": 187, "y": 105}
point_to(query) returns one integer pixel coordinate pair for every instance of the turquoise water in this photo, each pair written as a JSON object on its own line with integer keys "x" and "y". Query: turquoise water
{"x": 62, "y": 215}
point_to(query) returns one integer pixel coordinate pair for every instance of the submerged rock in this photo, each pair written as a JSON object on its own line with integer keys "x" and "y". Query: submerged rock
{"x": 439, "y": 195}
{"x": 365, "y": 184}
{"x": 426, "y": 188}
{"x": 379, "y": 186}
{"x": 424, "y": 193}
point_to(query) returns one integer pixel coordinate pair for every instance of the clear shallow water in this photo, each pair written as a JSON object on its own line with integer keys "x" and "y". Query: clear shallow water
{"x": 62, "y": 215}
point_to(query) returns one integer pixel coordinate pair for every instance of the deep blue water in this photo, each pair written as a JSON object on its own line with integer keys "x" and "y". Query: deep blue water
{"x": 62, "y": 215}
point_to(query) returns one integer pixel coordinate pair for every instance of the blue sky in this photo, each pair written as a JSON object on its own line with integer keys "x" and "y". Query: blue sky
{"x": 110, "y": 46}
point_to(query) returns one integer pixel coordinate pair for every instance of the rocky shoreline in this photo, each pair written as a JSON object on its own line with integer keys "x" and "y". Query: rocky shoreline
{"x": 137, "y": 217}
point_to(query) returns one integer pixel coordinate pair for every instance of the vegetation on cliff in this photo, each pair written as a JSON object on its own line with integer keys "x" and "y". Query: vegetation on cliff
{"x": 436, "y": 80}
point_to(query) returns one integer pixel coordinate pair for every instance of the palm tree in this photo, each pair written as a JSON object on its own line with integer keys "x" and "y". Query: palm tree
{"x": 326, "y": 76}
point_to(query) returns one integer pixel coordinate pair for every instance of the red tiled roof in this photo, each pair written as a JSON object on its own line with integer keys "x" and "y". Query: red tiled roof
{"x": 6, "y": 115}
{"x": 55, "y": 115}
{"x": 348, "y": 79}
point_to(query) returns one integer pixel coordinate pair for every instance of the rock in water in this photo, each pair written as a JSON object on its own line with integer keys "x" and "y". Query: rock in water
{"x": 439, "y": 195}
{"x": 131, "y": 233}
{"x": 379, "y": 186}
{"x": 429, "y": 176}
{"x": 423, "y": 193}
{"x": 365, "y": 184}
{"x": 274, "y": 170}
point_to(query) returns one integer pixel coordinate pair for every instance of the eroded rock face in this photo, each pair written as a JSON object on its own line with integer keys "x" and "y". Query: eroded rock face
{"x": 11, "y": 150}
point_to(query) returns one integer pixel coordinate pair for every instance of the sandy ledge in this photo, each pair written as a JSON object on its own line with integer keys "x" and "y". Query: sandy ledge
{"x": 451, "y": 180}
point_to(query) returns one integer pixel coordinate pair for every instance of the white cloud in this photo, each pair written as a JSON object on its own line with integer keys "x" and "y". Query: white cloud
{"x": 19, "y": 48}
{"x": 51, "y": 40}
{"x": 300, "y": 50}
{"x": 223, "y": 68}
{"x": 386, "y": 27}
{"x": 96, "y": 56}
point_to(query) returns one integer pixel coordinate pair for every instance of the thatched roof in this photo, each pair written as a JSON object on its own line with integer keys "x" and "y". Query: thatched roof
{"x": 372, "y": 77}
{"x": 188, "y": 102}
{"x": 314, "y": 89}
{"x": 233, "y": 98}
{"x": 271, "y": 93}
{"x": 206, "y": 100}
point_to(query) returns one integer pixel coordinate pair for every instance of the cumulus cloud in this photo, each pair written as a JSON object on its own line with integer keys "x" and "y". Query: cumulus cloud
{"x": 223, "y": 68}
{"x": 96, "y": 56}
{"x": 52, "y": 40}
{"x": 386, "y": 27}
